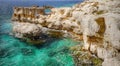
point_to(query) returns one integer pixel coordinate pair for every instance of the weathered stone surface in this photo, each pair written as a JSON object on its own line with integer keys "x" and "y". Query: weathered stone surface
{"x": 111, "y": 62}
{"x": 21, "y": 29}
{"x": 112, "y": 34}
{"x": 96, "y": 21}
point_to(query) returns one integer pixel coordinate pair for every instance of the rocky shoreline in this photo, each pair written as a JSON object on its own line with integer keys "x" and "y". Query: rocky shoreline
{"x": 95, "y": 22}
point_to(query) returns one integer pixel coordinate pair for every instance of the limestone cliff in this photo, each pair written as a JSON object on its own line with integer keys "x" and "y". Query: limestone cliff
{"x": 95, "y": 22}
{"x": 100, "y": 23}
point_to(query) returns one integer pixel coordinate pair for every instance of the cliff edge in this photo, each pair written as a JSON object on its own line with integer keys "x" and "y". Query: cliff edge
{"x": 95, "y": 22}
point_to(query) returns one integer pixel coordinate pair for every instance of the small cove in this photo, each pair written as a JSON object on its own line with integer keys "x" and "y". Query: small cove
{"x": 14, "y": 52}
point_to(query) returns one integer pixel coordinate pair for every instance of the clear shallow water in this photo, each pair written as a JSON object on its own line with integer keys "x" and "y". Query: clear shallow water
{"x": 14, "y": 52}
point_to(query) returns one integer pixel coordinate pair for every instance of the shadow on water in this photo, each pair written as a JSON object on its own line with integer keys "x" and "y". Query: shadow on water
{"x": 51, "y": 52}
{"x": 46, "y": 43}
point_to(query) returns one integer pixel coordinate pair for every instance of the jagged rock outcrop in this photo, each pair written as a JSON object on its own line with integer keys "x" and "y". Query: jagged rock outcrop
{"x": 101, "y": 33}
{"x": 21, "y": 29}
{"x": 95, "y": 21}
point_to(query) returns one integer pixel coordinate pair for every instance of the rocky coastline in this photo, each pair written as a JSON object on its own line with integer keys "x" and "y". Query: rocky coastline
{"x": 94, "y": 22}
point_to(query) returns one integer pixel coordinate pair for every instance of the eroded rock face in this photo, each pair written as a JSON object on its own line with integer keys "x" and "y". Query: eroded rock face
{"x": 96, "y": 21}
{"x": 26, "y": 28}
{"x": 101, "y": 29}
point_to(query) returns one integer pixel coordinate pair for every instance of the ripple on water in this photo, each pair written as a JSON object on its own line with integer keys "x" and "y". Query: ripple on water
{"x": 14, "y": 52}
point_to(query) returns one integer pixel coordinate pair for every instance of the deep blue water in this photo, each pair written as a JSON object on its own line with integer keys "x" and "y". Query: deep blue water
{"x": 14, "y": 52}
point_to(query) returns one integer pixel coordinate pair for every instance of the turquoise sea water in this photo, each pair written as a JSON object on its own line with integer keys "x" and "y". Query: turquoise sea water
{"x": 14, "y": 52}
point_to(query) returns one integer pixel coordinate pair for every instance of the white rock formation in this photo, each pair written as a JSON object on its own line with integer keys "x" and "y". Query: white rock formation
{"x": 21, "y": 29}
{"x": 97, "y": 20}
{"x": 101, "y": 32}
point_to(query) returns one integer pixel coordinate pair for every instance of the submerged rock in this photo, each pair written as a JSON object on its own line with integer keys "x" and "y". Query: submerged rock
{"x": 7, "y": 52}
{"x": 51, "y": 54}
{"x": 3, "y": 53}
{"x": 35, "y": 42}
{"x": 61, "y": 50}
{"x": 27, "y": 51}
{"x": 52, "y": 62}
